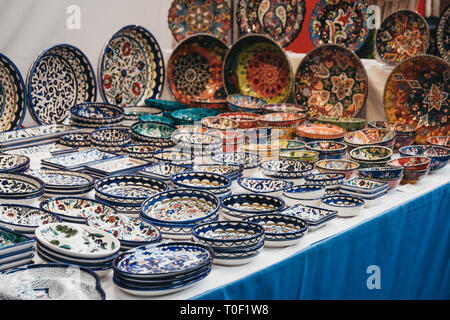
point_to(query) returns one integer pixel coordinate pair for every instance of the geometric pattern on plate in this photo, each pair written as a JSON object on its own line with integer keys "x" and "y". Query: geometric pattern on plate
{"x": 312, "y": 215}
{"x": 286, "y": 168}
{"x": 258, "y": 185}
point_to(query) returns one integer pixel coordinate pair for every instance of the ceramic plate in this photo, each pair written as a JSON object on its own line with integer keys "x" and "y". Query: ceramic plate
{"x": 402, "y": 34}
{"x": 261, "y": 185}
{"x": 164, "y": 170}
{"x": 114, "y": 166}
{"x": 417, "y": 92}
{"x": 131, "y": 67}
{"x": 12, "y": 163}
{"x": 15, "y": 185}
{"x": 187, "y": 18}
{"x": 75, "y": 207}
{"x": 13, "y": 95}
{"x": 24, "y": 218}
{"x": 257, "y": 66}
{"x": 331, "y": 81}
{"x": 78, "y": 159}
{"x": 442, "y": 34}
{"x": 282, "y": 20}
{"x": 13, "y": 242}
{"x": 339, "y": 22}
{"x": 63, "y": 179}
{"x": 194, "y": 70}
{"x": 60, "y": 78}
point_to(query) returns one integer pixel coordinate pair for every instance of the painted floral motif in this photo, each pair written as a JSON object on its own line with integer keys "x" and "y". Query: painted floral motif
{"x": 180, "y": 209}
{"x": 282, "y": 20}
{"x": 403, "y": 34}
{"x": 339, "y": 22}
{"x": 417, "y": 94}
{"x": 62, "y": 178}
{"x": 332, "y": 81}
{"x": 443, "y": 34}
{"x": 75, "y": 207}
{"x": 79, "y": 158}
{"x": 18, "y": 184}
{"x": 25, "y": 216}
{"x": 188, "y": 17}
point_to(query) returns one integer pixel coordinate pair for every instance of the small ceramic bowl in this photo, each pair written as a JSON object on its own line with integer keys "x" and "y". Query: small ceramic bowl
{"x": 247, "y": 160}
{"x": 404, "y": 134}
{"x": 140, "y": 151}
{"x": 300, "y": 155}
{"x": 414, "y": 176}
{"x": 134, "y": 112}
{"x": 192, "y": 116}
{"x": 440, "y": 141}
{"x": 280, "y": 230}
{"x": 370, "y": 200}
{"x": 364, "y": 186}
{"x": 220, "y": 123}
{"x": 346, "y": 206}
{"x": 305, "y": 192}
{"x": 164, "y": 170}
{"x": 240, "y": 206}
{"x": 327, "y": 149}
{"x": 347, "y": 167}
{"x": 439, "y": 155}
{"x": 281, "y": 119}
{"x": 287, "y": 145}
{"x": 243, "y": 103}
{"x": 110, "y": 137}
{"x": 96, "y": 114}
{"x": 311, "y": 132}
{"x": 197, "y": 143}
{"x": 371, "y": 153}
{"x": 212, "y": 182}
{"x": 349, "y": 124}
{"x": 390, "y": 175}
{"x": 326, "y": 180}
{"x": 80, "y": 139}
{"x": 155, "y": 133}
{"x": 231, "y": 171}
{"x": 264, "y": 150}
{"x": 174, "y": 157}
{"x": 191, "y": 128}
{"x": 369, "y": 137}
{"x": 284, "y": 108}
{"x": 272, "y": 187}
{"x": 155, "y": 118}
{"x": 289, "y": 169}
{"x": 411, "y": 163}
{"x": 246, "y": 120}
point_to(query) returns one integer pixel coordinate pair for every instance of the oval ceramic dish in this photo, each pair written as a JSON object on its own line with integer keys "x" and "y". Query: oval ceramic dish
{"x": 220, "y": 123}
{"x": 243, "y": 103}
{"x": 239, "y": 206}
{"x": 346, "y": 206}
{"x": 264, "y": 186}
{"x": 247, "y": 160}
{"x": 164, "y": 170}
{"x": 326, "y": 180}
{"x": 156, "y": 133}
{"x": 311, "y": 132}
{"x": 23, "y": 218}
{"x": 10, "y": 163}
{"x": 212, "y": 182}
{"x": 276, "y": 119}
{"x": 246, "y": 120}
{"x": 305, "y": 192}
{"x": 20, "y": 186}
{"x": 289, "y": 169}
{"x": 96, "y": 114}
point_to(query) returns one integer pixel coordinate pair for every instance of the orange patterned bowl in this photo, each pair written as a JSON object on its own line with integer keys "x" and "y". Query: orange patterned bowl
{"x": 311, "y": 132}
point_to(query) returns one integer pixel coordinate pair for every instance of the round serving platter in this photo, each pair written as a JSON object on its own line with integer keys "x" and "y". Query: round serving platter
{"x": 443, "y": 34}
{"x": 342, "y": 22}
{"x": 131, "y": 67}
{"x": 187, "y": 18}
{"x": 60, "y": 78}
{"x": 282, "y": 20}
{"x": 331, "y": 81}
{"x": 13, "y": 95}
{"x": 402, "y": 34}
{"x": 417, "y": 93}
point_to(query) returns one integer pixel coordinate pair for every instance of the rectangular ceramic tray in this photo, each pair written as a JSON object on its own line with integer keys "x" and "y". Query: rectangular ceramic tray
{"x": 365, "y": 186}
{"x": 314, "y": 216}
{"x": 116, "y": 166}
{"x": 78, "y": 160}
{"x": 11, "y": 241}
{"x": 53, "y": 148}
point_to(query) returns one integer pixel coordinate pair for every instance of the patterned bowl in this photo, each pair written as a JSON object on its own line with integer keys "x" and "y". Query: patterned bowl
{"x": 272, "y": 187}
{"x": 220, "y": 123}
{"x": 231, "y": 171}
{"x": 10, "y": 163}
{"x": 441, "y": 141}
{"x": 281, "y": 119}
{"x": 371, "y": 156}
{"x": 240, "y": 206}
{"x": 349, "y": 124}
{"x": 140, "y": 151}
{"x": 110, "y": 137}
{"x": 326, "y": 180}
{"x": 413, "y": 176}
{"x": 391, "y": 175}
{"x": 290, "y": 169}
{"x": 96, "y": 114}
{"x": 175, "y": 157}
{"x": 197, "y": 143}
{"x": 411, "y": 163}
{"x": 212, "y": 182}
{"x": 26, "y": 219}
{"x": 284, "y": 108}
{"x": 439, "y": 155}
{"x": 280, "y": 230}
{"x": 305, "y": 192}
{"x": 311, "y": 132}
{"x": 243, "y": 103}
{"x": 154, "y": 118}
{"x": 192, "y": 116}
{"x": 301, "y": 155}
{"x": 247, "y": 160}
{"x": 155, "y": 133}
{"x": 346, "y": 206}
{"x": 165, "y": 105}
{"x": 404, "y": 134}
{"x": 287, "y": 145}
{"x": 368, "y": 137}
{"x": 20, "y": 187}
{"x": 264, "y": 150}
{"x": 346, "y": 167}
{"x": 164, "y": 170}
{"x": 327, "y": 149}
{"x": 246, "y": 120}
{"x": 134, "y": 112}
{"x": 80, "y": 139}
{"x": 191, "y": 128}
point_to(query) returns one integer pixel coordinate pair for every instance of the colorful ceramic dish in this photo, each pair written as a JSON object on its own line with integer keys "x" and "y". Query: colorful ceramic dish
{"x": 439, "y": 155}
{"x": 311, "y": 132}
{"x": 63, "y": 180}
{"x": 51, "y": 96}
{"x": 212, "y": 182}
{"x": 331, "y": 81}
{"x": 346, "y": 206}
{"x": 110, "y": 137}
{"x": 364, "y": 186}
{"x": 220, "y": 123}
{"x": 391, "y": 175}
{"x": 281, "y": 119}
{"x": 13, "y": 96}
{"x": 164, "y": 170}
{"x": 416, "y": 93}
{"x": 301, "y": 155}
{"x": 289, "y": 169}
{"x": 192, "y": 116}
{"x": 443, "y": 29}
{"x": 79, "y": 139}
{"x": 248, "y": 160}
{"x": 349, "y": 124}
{"x": 370, "y": 137}
{"x": 287, "y": 145}
{"x": 273, "y": 187}
{"x": 131, "y": 67}
{"x": 246, "y": 120}
{"x": 326, "y": 180}
{"x": 154, "y": 118}
{"x": 156, "y": 133}
{"x": 411, "y": 163}
{"x": 26, "y": 219}
{"x": 133, "y": 113}
{"x": 340, "y": 22}
{"x": 327, "y": 149}
{"x": 240, "y": 206}
{"x": 314, "y": 216}
{"x": 404, "y": 134}
{"x": 244, "y": 103}
{"x": 194, "y": 69}
{"x": 77, "y": 160}
{"x": 346, "y": 167}
{"x": 442, "y": 141}
{"x": 402, "y": 34}
{"x": 20, "y": 186}
{"x": 14, "y": 163}
{"x": 177, "y": 157}
{"x": 371, "y": 153}
{"x": 257, "y": 66}
{"x": 95, "y": 115}
{"x": 140, "y": 151}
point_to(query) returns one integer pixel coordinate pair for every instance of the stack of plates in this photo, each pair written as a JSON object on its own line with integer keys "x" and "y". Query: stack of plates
{"x": 126, "y": 193}
{"x": 20, "y": 188}
{"x": 24, "y": 219}
{"x": 54, "y": 281}
{"x": 234, "y": 242}
{"x": 10, "y": 163}
{"x": 176, "y": 212}
{"x": 15, "y": 249}
{"x": 240, "y": 206}
{"x": 161, "y": 269}
{"x": 75, "y": 209}
{"x": 368, "y": 190}
{"x": 131, "y": 232}
{"x": 64, "y": 182}
{"x": 96, "y": 115}
{"x": 78, "y": 245}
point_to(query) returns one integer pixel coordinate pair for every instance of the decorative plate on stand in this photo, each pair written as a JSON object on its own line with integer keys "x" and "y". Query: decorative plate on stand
{"x": 194, "y": 69}
{"x": 341, "y": 22}
{"x": 332, "y": 81}
{"x": 257, "y": 66}
{"x": 60, "y": 78}
{"x": 417, "y": 93}
{"x": 189, "y": 17}
{"x": 131, "y": 67}
{"x": 443, "y": 34}
{"x": 13, "y": 96}
{"x": 280, "y": 19}
{"x": 403, "y": 34}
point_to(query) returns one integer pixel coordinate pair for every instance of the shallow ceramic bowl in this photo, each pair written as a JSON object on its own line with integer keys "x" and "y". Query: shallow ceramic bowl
{"x": 220, "y": 123}
{"x": 439, "y": 155}
{"x": 197, "y": 143}
{"x": 442, "y": 141}
{"x": 405, "y": 134}
{"x": 368, "y": 137}
{"x": 281, "y": 119}
{"x": 20, "y": 186}
{"x": 311, "y": 132}
{"x": 192, "y": 116}
{"x": 140, "y": 151}
{"x": 284, "y": 108}
{"x": 300, "y": 155}
{"x": 23, "y": 218}
{"x": 134, "y": 112}
{"x": 346, "y": 206}
{"x": 155, "y": 133}
{"x": 246, "y": 120}
{"x": 247, "y": 160}
{"x": 79, "y": 139}
{"x": 164, "y": 170}
{"x": 205, "y": 181}
{"x": 364, "y": 187}
{"x": 288, "y": 145}
{"x": 165, "y": 105}
{"x": 326, "y": 180}
{"x": 391, "y": 175}
{"x": 290, "y": 169}
{"x": 327, "y": 149}
{"x": 346, "y": 167}
{"x": 349, "y": 124}
{"x": 316, "y": 217}
{"x": 411, "y": 163}
{"x": 155, "y": 118}
{"x": 191, "y": 128}
{"x": 243, "y": 205}
{"x": 231, "y": 171}
{"x": 413, "y": 176}
{"x": 264, "y": 186}
{"x": 110, "y": 137}
{"x": 243, "y": 103}
{"x": 176, "y": 157}
{"x": 371, "y": 153}
{"x": 13, "y": 163}
{"x": 280, "y": 230}
{"x": 305, "y": 192}
{"x": 96, "y": 113}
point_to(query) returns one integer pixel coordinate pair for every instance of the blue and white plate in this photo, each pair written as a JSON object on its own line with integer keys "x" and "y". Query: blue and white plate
{"x": 164, "y": 170}
{"x": 60, "y": 180}
{"x": 26, "y": 219}
{"x": 77, "y": 160}
{"x": 212, "y": 182}
{"x": 247, "y": 160}
{"x": 13, "y": 163}
{"x": 273, "y": 187}
{"x": 346, "y": 206}
{"x": 326, "y": 180}
{"x": 305, "y": 192}
{"x": 240, "y": 206}
{"x": 288, "y": 169}
{"x": 20, "y": 186}
{"x": 315, "y": 217}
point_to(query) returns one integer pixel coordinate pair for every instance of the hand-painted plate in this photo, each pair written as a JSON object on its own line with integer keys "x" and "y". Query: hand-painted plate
{"x": 402, "y": 34}
{"x": 417, "y": 93}
{"x": 342, "y": 22}
{"x": 280, "y": 19}
{"x": 332, "y": 81}
{"x": 131, "y": 67}
{"x": 187, "y": 18}
{"x": 13, "y": 95}
{"x": 63, "y": 179}
{"x": 60, "y": 78}
{"x": 257, "y": 66}
{"x": 443, "y": 34}
{"x": 194, "y": 70}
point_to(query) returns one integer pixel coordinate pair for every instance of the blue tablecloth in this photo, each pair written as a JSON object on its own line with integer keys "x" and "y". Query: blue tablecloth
{"x": 403, "y": 253}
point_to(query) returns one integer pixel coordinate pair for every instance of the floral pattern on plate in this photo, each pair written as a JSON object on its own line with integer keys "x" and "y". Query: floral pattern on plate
{"x": 62, "y": 179}
{"x": 19, "y": 184}
{"x": 75, "y": 207}
{"x": 25, "y": 216}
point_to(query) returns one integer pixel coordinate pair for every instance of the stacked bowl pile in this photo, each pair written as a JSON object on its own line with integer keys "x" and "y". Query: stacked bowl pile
{"x": 96, "y": 115}
{"x": 439, "y": 155}
{"x": 15, "y": 249}
{"x": 240, "y": 206}
{"x": 154, "y": 133}
{"x": 414, "y": 168}
{"x": 217, "y": 184}
{"x": 20, "y": 188}
{"x": 370, "y": 191}
{"x": 110, "y": 139}
{"x": 10, "y": 163}
{"x": 371, "y": 156}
